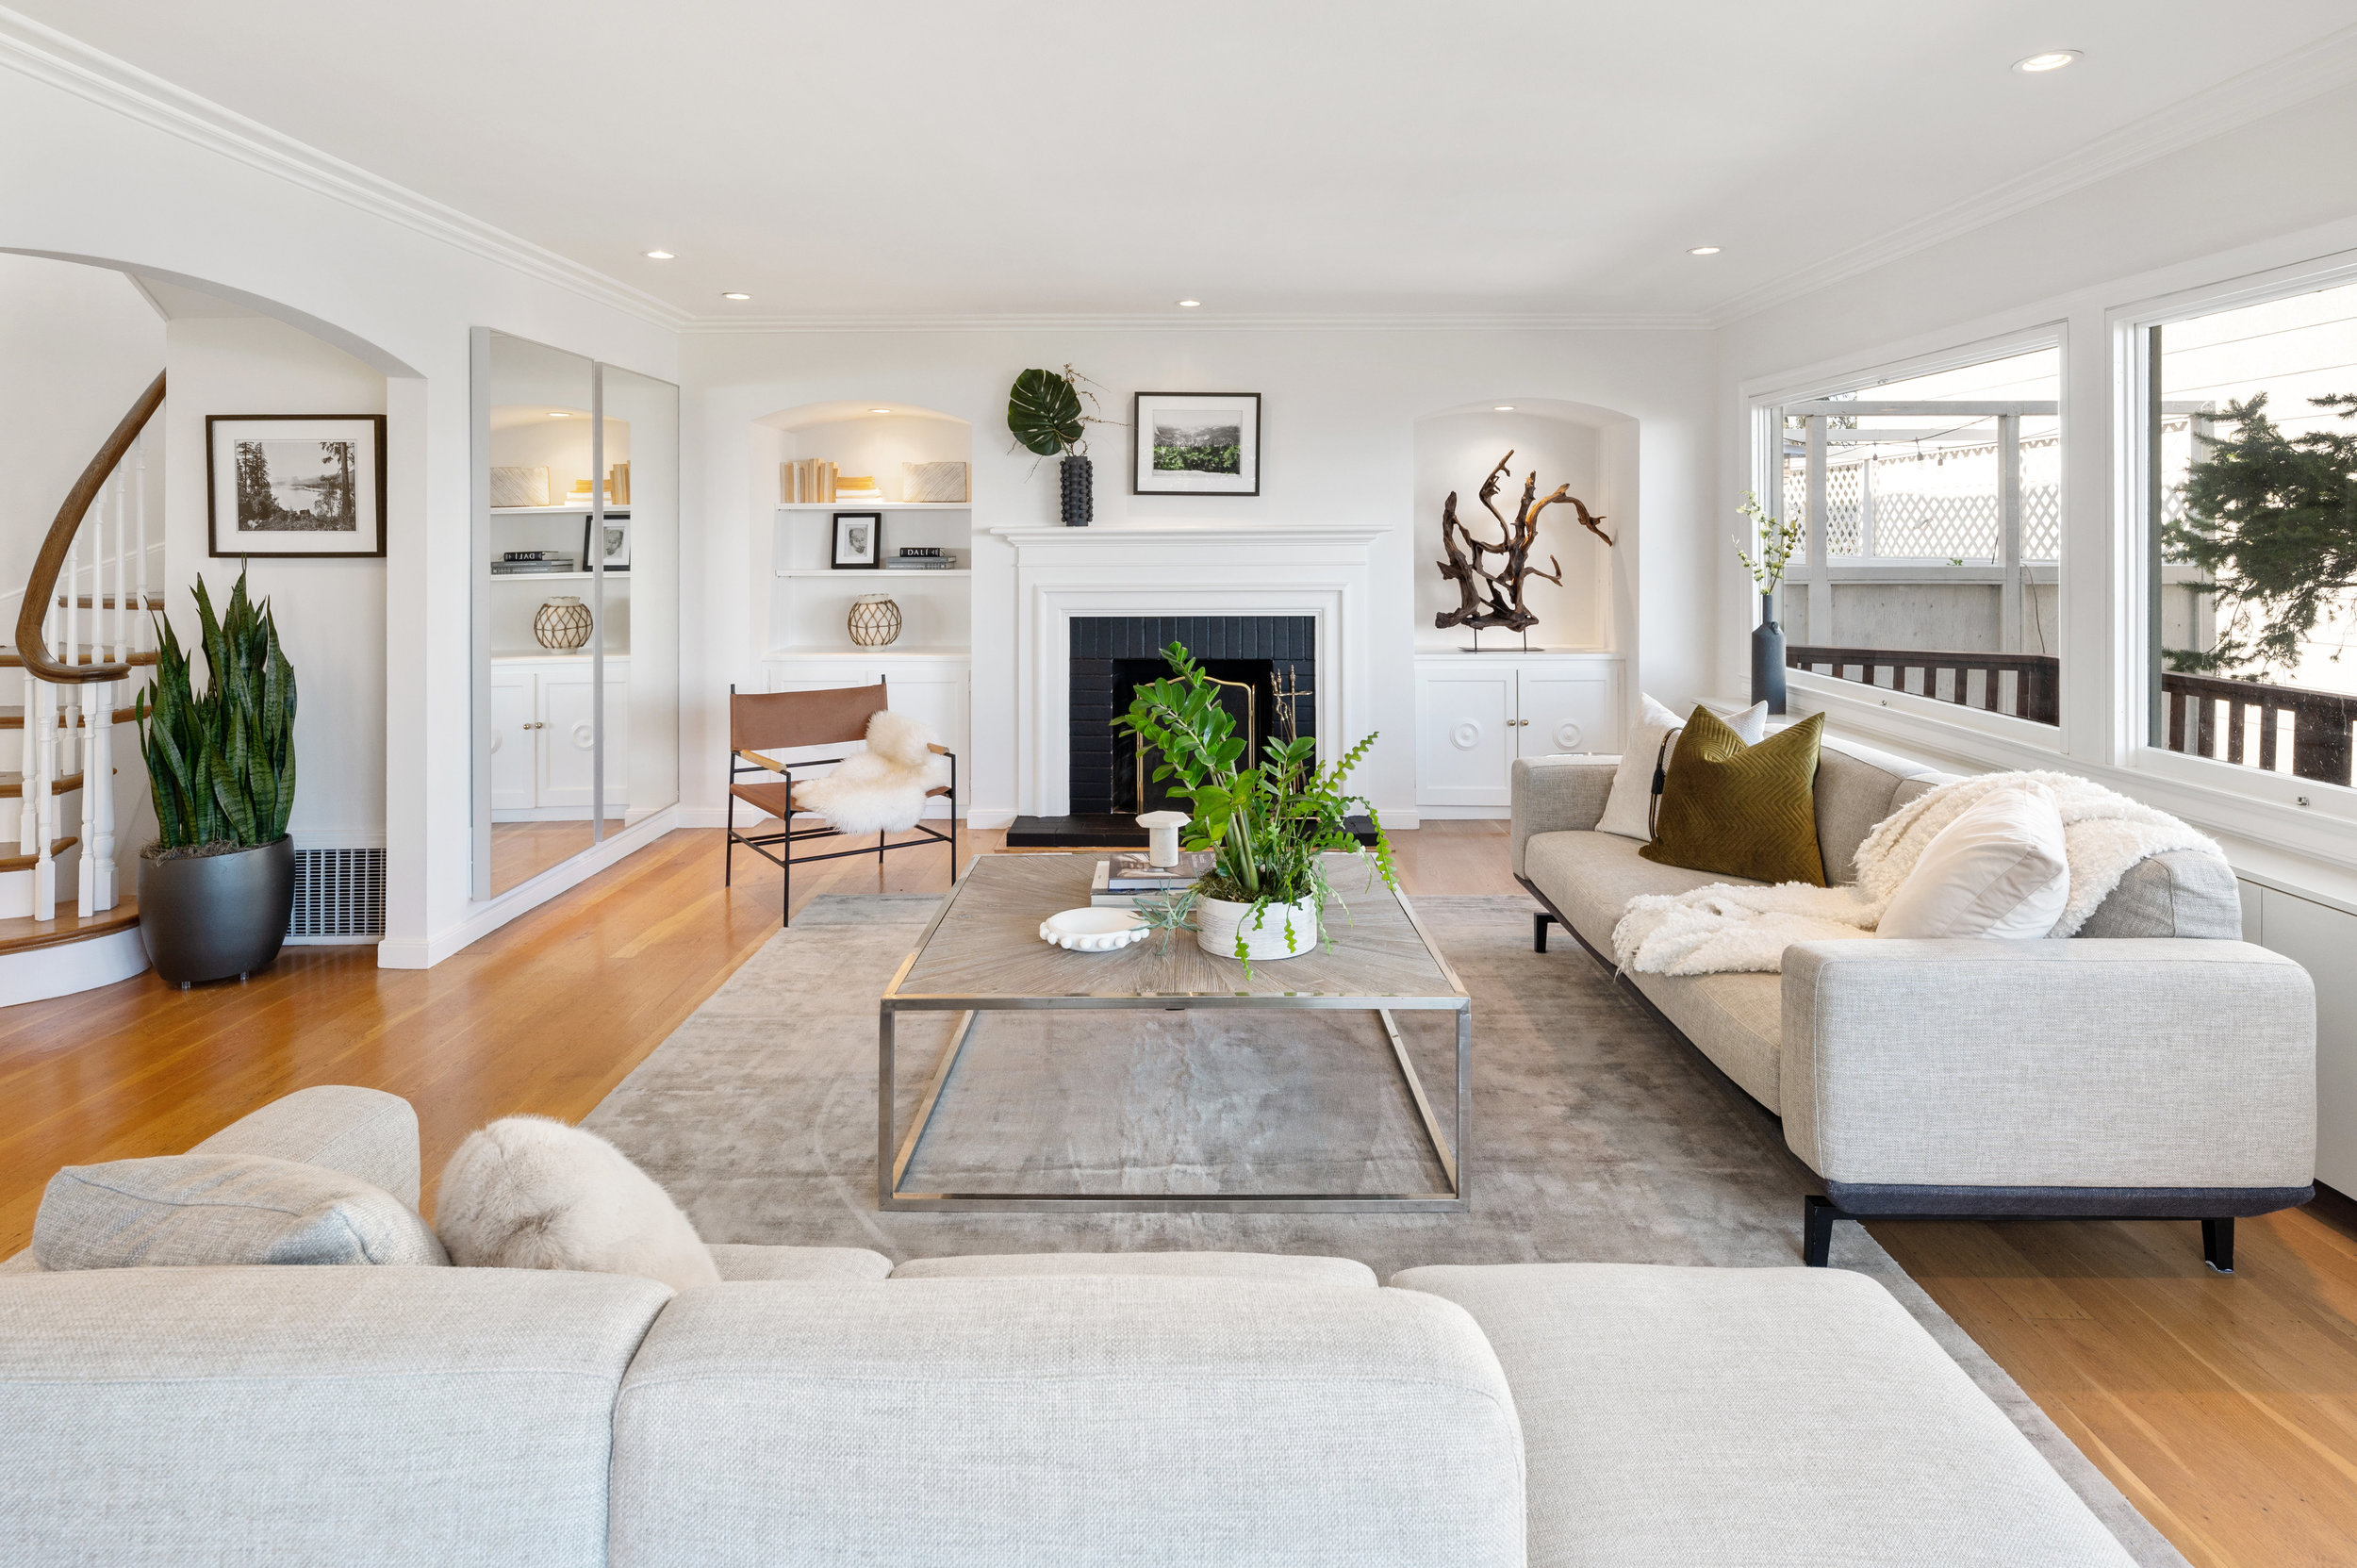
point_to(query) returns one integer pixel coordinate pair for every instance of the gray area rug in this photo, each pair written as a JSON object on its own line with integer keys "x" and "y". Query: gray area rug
{"x": 1597, "y": 1135}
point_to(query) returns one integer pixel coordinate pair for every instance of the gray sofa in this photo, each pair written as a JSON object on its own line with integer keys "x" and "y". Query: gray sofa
{"x": 822, "y": 1407}
{"x": 2154, "y": 1065}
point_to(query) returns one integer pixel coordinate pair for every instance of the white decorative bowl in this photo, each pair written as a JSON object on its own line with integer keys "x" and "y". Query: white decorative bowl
{"x": 1095, "y": 930}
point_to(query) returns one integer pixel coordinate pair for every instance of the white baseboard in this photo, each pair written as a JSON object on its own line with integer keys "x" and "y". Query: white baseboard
{"x": 1453, "y": 813}
{"x": 410, "y": 952}
{"x": 37, "y": 974}
{"x": 990, "y": 819}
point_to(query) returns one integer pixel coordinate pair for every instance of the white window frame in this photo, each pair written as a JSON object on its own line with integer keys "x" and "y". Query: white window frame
{"x": 2129, "y": 326}
{"x": 1907, "y": 717}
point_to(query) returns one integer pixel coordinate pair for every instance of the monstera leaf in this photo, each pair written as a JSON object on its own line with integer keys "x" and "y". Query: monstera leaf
{"x": 1044, "y": 412}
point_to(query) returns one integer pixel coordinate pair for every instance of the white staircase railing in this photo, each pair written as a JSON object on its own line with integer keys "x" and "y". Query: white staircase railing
{"x": 78, "y": 670}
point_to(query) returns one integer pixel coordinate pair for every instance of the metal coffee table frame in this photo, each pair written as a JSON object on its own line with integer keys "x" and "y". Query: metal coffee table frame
{"x": 893, "y": 1152}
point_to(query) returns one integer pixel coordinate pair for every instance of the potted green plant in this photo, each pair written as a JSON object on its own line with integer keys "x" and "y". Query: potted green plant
{"x": 218, "y": 884}
{"x": 1777, "y": 540}
{"x": 1045, "y": 416}
{"x": 1271, "y": 824}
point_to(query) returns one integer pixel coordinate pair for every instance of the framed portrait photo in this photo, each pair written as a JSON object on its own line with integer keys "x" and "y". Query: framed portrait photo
{"x": 295, "y": 483}
{"x": 1196, "y": 443}
{"x": 616, "y": 542}
{"x": 858, "y": 541}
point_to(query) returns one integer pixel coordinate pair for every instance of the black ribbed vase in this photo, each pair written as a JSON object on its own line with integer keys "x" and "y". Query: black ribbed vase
{"x": 1768, "y": 658}
{"x": 1080, "y": 500}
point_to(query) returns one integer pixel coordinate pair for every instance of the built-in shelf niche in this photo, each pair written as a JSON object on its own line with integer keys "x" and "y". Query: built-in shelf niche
{"x": 810, "y": 599}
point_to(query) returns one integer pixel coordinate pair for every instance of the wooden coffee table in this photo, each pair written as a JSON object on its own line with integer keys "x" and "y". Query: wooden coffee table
{"x": 982, "y": 953}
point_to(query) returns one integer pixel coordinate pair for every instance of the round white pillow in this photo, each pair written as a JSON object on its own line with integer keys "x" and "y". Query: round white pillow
{"x": 1999, "y": 870}
{"x": 529, "y": 1192}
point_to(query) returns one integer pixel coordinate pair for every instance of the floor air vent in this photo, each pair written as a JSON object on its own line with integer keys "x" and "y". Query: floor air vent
{"x": 339, "y": 893}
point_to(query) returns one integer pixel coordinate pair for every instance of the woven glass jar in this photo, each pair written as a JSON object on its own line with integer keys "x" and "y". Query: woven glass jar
{"x": 875, "y": 620}
{"x": 562, "y": 624}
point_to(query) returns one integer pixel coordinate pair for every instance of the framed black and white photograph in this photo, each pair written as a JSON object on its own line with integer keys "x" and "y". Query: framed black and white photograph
{"x": 295, "y": 483}
{"x": 1196, "y": 443}
{"x": 858, "y": 540}
{"x": 616, "y": 542}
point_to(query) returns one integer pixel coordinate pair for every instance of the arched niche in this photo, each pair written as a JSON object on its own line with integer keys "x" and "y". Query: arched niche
{"x": 1590, "y": 449}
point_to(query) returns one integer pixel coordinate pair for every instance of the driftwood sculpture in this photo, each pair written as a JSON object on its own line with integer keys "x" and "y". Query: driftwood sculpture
{"x": 1494, "y": 598}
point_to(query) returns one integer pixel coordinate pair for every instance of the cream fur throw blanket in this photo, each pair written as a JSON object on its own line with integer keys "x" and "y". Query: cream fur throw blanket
{"x": 1728, "y": 929}
{"x": 881, "y": 789}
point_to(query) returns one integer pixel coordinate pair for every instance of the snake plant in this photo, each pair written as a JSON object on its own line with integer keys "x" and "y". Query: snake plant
{"x": 220, "y": 765}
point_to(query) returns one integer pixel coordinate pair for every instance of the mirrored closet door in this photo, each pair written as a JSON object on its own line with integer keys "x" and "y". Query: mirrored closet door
{"x": 576, "y": 605}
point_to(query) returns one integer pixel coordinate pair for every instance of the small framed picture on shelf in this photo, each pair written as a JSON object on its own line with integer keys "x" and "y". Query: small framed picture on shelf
{"x": 616, "y": 542}
{"x": 295, "y": 483}
{"x": 1196, "y": 443}
{"x": 858, "y": 541}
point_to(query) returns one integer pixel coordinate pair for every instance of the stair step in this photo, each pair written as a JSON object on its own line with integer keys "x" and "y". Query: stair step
{"x": 26, "y": 863}
{"x": 153, "y": 602}
{"x": 12, "y": 785}
{"x": 11, "y": 659}
{"x": 13, "y": 719}
{"x": 17, "y": 935}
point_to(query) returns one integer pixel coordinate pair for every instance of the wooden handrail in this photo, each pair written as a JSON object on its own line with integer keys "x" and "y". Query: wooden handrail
{"x": 43, "y": 585}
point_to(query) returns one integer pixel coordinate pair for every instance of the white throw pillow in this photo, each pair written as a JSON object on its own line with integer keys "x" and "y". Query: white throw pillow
{"x": 1628, "y": 810}
{"x": 1999, "y": 870}
{"x": 185, "y": 1209}
{"x": 527, "y": 1191}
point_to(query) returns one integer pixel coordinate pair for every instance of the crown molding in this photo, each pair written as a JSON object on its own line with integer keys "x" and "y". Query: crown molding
{"x": 1198, "y": 322}
{"x": 2280, "y": 83}
{"x": 72, "y": 66}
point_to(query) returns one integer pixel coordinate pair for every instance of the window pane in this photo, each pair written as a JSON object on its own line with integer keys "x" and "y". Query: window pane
{"x": 2254, "y": 440}
{"x": 1942, "y": 535}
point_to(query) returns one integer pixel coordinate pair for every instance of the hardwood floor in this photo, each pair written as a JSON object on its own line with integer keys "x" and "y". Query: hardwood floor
{"x": 2226, "y": 1407}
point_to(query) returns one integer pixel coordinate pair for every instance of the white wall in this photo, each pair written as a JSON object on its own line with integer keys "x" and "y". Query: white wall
{"x": 2269, "y": 201}
{"x": 330, "y": 613}
{"x": 141, "y": 177}
{"x": 1339, "y": 416}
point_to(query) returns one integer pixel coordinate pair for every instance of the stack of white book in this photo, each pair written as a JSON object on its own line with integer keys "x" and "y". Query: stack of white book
{"x": 1121, "y": 880}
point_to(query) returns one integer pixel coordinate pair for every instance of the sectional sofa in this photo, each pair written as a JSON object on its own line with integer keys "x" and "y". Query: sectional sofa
{"x": 823, "y": 1406}
{"x": 2153, "y": 1065}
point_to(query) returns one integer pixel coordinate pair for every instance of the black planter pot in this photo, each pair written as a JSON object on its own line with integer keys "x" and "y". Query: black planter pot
{"x": 1768, "y": 658}
{"x": 215, "y": 916}
{"x": 1079, "y": 483}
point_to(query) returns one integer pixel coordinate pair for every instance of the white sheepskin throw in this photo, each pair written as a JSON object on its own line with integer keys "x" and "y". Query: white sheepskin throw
{"x": 1730, "y": 928}
{"x": 528, "y": 1191}
{"x": 881, "y": 789}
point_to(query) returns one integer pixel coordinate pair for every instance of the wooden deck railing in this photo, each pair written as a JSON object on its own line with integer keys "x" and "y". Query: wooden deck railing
{"x": 2202, "y": 715}
{"x": 2027, "y": 686}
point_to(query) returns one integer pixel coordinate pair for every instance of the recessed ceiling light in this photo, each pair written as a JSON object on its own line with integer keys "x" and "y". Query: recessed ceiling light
{"x": 1704, "y": 250}
{"x": 733, "y": 296}
{"x": 2053, "y": 59}
{"x": 558, "y": 414}
{"x": 656, "y": 256}
{"x": 1503, "y": 408}
{"x": 880, "y": 410}
{"x": 1189, "y": 304}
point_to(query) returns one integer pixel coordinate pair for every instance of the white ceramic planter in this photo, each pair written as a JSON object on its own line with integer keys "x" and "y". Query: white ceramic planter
{"x": 1216, "y": 920}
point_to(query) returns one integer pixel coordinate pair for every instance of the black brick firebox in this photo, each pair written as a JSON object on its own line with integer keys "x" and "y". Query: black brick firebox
{"x": 1275, "y": 656}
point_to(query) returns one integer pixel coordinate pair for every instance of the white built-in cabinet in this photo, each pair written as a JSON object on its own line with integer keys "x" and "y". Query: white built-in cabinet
{"x": 2320, "y": 938}
{"x": 930, "y": 688}
{"x": 544, "y": 738}
{"x": 1475, "y": 713}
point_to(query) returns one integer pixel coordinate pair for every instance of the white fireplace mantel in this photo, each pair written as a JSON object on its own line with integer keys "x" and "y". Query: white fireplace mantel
{"x": 1322, "y": 571}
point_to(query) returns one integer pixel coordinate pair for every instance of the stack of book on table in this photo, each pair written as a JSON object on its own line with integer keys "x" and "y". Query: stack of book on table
{"x": 921, "y": 557}
{"x": 1123, "y": 879}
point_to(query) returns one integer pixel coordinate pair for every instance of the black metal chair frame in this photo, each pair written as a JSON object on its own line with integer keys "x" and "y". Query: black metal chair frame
{"x": 788, "y": 835}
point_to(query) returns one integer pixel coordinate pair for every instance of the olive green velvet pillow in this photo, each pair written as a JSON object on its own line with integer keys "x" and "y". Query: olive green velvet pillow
{"x": 1743, "y": 810}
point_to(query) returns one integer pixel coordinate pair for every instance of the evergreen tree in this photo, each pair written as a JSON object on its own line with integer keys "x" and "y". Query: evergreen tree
{"x": 2273, "y": 520}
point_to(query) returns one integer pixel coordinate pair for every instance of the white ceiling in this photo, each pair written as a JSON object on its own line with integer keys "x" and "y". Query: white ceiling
{"x": 949, "y": 159}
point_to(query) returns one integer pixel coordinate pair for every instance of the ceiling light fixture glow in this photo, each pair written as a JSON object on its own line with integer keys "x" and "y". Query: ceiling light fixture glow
{"x": 2053, "y": 59}
{"x": 880, "y": 410}
{"x": 558, "y": 414}
{"x": 1704, "y": 250}
{"x": 733, "y": 295}
{"x": 657, "y": 255}
{"x": 1189, "y": 305}
{"x": 1503, "y": 408}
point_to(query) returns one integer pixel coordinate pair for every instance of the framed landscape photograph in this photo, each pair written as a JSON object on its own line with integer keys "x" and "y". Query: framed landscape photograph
{"x": 858, "y": 541}
{"x": 1196, "y": 443}
{"x": 616, "y": 542}
{"x": 295, "y": 483}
